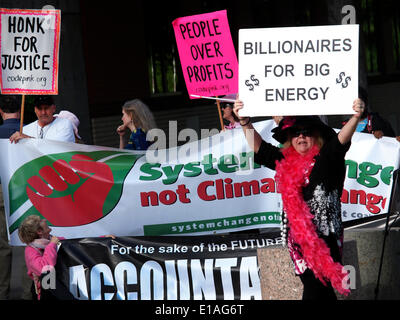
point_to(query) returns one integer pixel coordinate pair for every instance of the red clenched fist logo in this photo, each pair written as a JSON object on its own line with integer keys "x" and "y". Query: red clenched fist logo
{"x": 70, "y": 194}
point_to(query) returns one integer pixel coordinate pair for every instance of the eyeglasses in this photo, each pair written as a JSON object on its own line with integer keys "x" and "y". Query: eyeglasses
{"x": 303, "y": 132}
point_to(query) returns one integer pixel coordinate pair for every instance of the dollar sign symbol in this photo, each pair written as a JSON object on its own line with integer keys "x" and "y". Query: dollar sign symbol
{"x": 341, "y": 75}
{"x": 346, "y": 82}
{"x": 256, "y": 82}
{"x": 251, "y": 87}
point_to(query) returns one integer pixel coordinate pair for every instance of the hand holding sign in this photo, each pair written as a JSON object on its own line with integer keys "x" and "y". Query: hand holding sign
{"x": 71, "y": 198}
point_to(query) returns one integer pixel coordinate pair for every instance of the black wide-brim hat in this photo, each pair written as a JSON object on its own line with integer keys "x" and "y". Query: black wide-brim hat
{"x": 287, "y": 124}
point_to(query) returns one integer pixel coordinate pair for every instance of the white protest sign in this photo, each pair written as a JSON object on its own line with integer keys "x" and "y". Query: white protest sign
{"x": 29, "y": 47}
{"x": 298, "y": 70}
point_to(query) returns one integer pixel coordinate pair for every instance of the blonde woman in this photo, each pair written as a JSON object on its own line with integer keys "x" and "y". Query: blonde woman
{"x": 138, "y": 119}
{"x": 41, "y": 249}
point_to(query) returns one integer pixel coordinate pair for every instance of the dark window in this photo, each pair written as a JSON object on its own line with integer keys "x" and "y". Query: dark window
{"x": 163, "y": 59}
{"x": 380, "y": 24}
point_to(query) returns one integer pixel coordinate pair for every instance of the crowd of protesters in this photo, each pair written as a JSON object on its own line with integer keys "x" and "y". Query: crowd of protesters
{"x": 306, "y": 143}
{"x": 63, "y": 126}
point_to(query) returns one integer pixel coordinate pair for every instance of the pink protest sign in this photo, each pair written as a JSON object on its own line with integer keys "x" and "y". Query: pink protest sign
{"x": 208, "y": 57}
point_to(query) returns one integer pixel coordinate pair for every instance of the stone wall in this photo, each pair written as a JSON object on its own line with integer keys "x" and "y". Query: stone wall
{"x": 362, "y": 250}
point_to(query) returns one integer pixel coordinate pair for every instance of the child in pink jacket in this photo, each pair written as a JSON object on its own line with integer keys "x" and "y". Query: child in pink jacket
{"x": 41, "y": 250}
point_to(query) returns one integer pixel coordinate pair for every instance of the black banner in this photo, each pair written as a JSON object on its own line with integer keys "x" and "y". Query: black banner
{"x": 160, "y": 268}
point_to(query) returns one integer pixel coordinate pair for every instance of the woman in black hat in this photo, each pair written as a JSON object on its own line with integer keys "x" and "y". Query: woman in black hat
{"x": 310, "y": 172}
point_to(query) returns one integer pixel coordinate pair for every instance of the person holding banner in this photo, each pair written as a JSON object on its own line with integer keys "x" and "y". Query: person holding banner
{"x": 310, "y": 172}
{"x": 41, "y": 250}
{"x": 47, "y": 126}
{"x": 228, "y": 114}
{"x": 373, "y": 122}
{"x": 138, "y": 119}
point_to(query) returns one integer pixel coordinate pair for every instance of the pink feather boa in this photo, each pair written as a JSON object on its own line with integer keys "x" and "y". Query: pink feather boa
{"x": 292, "y": 174}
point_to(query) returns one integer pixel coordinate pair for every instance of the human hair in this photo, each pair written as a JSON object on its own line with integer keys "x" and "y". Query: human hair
{"x": 10, "y": 104}
{"x": 140, "y": 113}
{"x": 28, "y": 230}
{"x": 43, "y": 100}
{"x": 229, "y": 105}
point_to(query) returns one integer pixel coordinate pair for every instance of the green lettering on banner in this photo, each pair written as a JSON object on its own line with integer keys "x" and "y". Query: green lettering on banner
{"x": 192, "y": 169}
{"x": 386, "y": 175}
{"x": 365, "y": 173}
{"x": 228, "y": 163}
{"x": 213, "y": 224}
{"x": 152, "y": 174}
{"x": 367, "y": 170}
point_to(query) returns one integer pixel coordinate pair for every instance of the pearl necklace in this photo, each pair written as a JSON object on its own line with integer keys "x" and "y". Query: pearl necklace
{"x": 284, "y": 231}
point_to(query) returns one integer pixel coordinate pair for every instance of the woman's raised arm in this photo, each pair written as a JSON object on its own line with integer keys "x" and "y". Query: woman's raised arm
{"x": 252, "y": 136}
{"x": 349, "y": 128}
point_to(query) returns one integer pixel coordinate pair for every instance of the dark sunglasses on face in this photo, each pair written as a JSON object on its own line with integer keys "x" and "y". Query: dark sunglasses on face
{"x": 303, "y": 132}
{"x": 225, "y": 105}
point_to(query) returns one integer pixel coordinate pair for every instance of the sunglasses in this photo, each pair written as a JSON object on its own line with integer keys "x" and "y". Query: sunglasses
{"x": 304, "y": 132}
{"x": 226, "y": 105}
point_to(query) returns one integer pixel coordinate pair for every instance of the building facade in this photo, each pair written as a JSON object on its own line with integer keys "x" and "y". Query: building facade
{"x": 115, "y": 51}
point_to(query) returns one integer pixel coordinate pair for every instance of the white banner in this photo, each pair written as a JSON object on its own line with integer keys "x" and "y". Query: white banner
{"x": 30, "y": 41}
{"x": 298, "y": 70}
{"x": 203, "y": 187}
